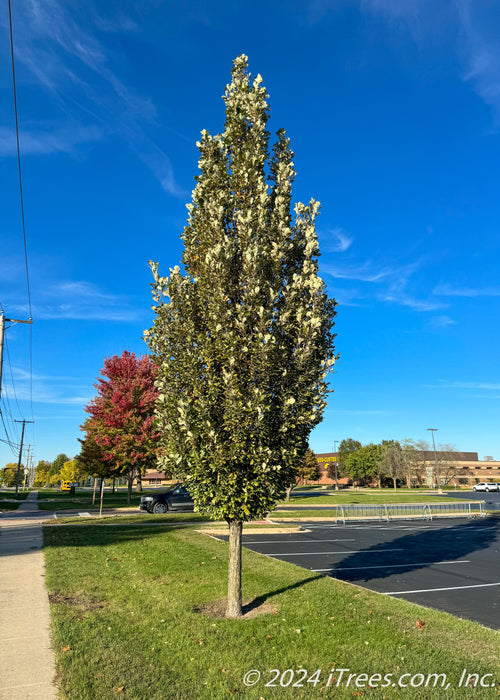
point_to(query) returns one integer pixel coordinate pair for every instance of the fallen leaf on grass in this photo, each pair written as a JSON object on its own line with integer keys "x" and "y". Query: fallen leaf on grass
{"x": 66, "y": 648}
{"x": 420, "y": 624}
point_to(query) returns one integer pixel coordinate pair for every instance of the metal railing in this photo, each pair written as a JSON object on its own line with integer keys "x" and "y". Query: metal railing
{"x": 409, "y": 511}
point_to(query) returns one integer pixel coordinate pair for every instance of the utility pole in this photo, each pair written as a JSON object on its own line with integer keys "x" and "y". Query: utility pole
{"x": 20, "y": 451}
{"x": 336, "y": 464}
{"x": 26, "y": 467}
{"x": 3, "y": 321}
{"x": 433, "y": 430}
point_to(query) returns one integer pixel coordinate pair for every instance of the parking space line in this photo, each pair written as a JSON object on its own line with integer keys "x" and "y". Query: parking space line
{"x": 451, "y": 588}
{"x": 245, "y": 542}
{"x": 352, "y": 551}
{"x": 395, "y": 566}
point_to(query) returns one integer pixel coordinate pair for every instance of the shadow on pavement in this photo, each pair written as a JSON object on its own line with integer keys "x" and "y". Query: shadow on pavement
{"x": 418, "y": 550}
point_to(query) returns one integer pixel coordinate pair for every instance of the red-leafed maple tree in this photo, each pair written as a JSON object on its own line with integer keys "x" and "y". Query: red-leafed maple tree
{"x": 121, "y": 417}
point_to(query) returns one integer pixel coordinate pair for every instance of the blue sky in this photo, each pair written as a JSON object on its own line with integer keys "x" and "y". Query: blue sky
{"x": 393, "y": 110}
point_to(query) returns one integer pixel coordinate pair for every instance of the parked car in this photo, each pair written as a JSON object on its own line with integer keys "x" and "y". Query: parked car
{"x": 486, "y": 486}
{"x": 176, "y": 498}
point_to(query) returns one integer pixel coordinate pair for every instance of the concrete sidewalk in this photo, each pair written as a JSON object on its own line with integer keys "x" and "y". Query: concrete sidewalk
{"x": 26, "y": 657}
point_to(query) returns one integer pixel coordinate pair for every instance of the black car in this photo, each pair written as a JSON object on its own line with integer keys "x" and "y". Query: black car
{"x": 176, "y": 498}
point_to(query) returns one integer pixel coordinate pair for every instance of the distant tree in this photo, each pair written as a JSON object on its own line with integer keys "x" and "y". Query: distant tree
{"x": 56, "y": 466}
{"x": 70, "y": 471}
{"x": 346, "y": 447}
{"x": 414, "y": 460}
{"x": 421, "y": 463}
{"x": 242, "y": 336}
{"x": 392, "y": 462}
{"x": 121, "y": 420}
{"x": 42, "y": 473}
{"x": 307, "y": 470}
{"x": 9, "y": 473}
{"x": 92, "y": 459}
{"x": 447, "y": 463}
{"x": 364, "y": 463}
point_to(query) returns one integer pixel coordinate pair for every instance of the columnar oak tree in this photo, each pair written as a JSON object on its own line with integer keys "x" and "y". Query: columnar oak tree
{"x": 242, "y": 338}
{"x": 306, "y": 469}
{"x": 120, "y": 430}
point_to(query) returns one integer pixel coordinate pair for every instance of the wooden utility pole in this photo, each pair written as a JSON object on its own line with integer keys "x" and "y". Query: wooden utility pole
{"x": 3, "y": 321}
{"x": 20, "y": 451}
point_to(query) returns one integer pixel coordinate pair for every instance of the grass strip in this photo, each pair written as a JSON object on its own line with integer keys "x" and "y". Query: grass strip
{"x": 55, "y": 499}
{"x": 125, "y": 624}
{"x": 9, "y": 500}
{"x": 377, "y": 497}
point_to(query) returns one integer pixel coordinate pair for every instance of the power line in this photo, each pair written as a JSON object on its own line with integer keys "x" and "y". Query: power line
{"x": 9, "y": 441}
{"x": 19, "y": 155}
{"x": 22, "y": 207}
{"x": 12, "y": 376}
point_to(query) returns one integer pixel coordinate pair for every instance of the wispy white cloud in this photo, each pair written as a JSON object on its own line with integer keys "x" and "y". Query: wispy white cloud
{"x": 481, "y": 50}
{"x": 442, "y": 322}
{"x": 335, "y": 240}
{"x": 359, "y": 412}
{"x": 450, "y": 291}
{"x": 49, "y": 140}
{"x": 477, "y": 45}
{"x": 487, "y": 386}
{"x": 393, "y": 280}
{"x": 399, "y": 296}
{"x": 44, "y": 389}
{"x": 367, "y": 272}
{"x": 58, "y": 43}
{"x": 81, "y": 301}
{"x": 44, "y": 395}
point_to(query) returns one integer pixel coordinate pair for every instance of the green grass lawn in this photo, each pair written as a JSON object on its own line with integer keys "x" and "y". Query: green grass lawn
{"x": 6, "y": 496}
{"x": 165, "y": 519}
{"x": 55, "y": 499}
{"x": 125, "y": 624}
{"x": 375, "y": 496}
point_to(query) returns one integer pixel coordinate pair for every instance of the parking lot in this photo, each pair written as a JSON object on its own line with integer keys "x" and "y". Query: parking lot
{"x": 448, "y": 564}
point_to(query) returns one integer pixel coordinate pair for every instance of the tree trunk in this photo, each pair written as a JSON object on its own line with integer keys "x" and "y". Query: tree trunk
{"x": 394, "y": 481}
{"x": 129, "y": 490}
{"x": 95, "y": 486}
{"x": 288, "y": 493}
{"x": 138, "y": 485}
{"x": 113, "y": 485}
{"x": 234, "y": 569}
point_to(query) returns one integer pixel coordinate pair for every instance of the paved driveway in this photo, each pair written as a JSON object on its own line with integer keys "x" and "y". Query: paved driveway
{"x": 452, "y": 565}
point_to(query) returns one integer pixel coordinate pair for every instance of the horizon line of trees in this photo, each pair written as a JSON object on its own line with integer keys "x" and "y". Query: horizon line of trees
{"x": 392, "y": 460}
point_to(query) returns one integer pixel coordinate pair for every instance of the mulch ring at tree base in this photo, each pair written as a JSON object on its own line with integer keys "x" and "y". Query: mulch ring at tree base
{"x": 250, "y": 609}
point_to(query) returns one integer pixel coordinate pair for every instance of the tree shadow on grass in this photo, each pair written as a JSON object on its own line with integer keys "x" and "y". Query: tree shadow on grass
{"x": 261, "y": 599}
{"x": 259, "y": 605}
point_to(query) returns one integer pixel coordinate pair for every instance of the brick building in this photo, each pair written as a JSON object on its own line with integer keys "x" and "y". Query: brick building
{"x": 463, "y": 469}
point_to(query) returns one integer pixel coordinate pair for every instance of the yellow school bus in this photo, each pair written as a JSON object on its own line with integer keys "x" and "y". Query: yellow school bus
{"x": 67, "y": 486}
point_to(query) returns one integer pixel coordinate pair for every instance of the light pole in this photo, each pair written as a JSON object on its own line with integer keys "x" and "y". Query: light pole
{"x": 433, "y": 430}
{"x": 336, "y": 463}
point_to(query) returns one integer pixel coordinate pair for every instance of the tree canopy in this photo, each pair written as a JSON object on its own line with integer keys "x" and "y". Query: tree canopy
{"x": 120, "y": 430}
{"x": 242, "y": 337}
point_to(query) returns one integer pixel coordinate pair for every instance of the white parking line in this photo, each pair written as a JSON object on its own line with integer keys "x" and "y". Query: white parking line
{"x": 350, "y": 539}
{"x": 353, "y": 551}
{"x": 452, "y": 588}
{"x": 398, "y": 566}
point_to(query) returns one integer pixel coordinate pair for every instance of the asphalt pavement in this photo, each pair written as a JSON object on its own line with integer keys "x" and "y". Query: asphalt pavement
{"x": 452, "y": 565}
